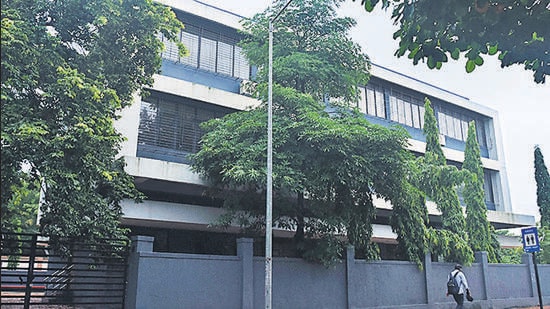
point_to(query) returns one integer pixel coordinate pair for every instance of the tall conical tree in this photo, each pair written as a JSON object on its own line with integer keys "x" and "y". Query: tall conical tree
{"x": 543, "y": 188}
{"x": 478, "y": 227}
{"x": 439, "y": 182}
{"x": 434, "y": 152}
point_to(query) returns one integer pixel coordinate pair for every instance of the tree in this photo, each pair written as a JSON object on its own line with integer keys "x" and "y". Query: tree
{"x": 542, "y": 179}
{"x": 481, "y": 233}
{"x": 326, "y": 170}
{"x": 20, "y": 212}
{"x": 434, "y": 30}
{"x": 68, "y": 68}
{"x": 409, "y": 219}
{"x": 328, "y": 162}
{"x": 312, "y": 51}
{"x": 439, "y": 182}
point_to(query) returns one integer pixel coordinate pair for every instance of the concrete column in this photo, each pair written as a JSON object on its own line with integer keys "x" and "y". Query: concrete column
{"x": 245, "y": 251}
{"x": 428, "y": 278}
{"x": 481, "y": 257}
{"x": 350, "y": 262}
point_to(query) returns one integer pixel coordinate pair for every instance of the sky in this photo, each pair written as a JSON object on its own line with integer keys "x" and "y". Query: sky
{"x": 523, "y": 105}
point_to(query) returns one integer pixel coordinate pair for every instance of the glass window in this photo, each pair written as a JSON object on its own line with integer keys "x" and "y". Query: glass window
{"x": 362, "y": 103}
{"x": 415, "y": 116}
{"x": 207, "y": 59}
{"x": 450, "y": 125}
{"x": 442, "y": 118}
{"x": 225, "y": 58}
{"x": 191, "y": 42}
{"x": 422, "y": 111}
{"x": 371, "y": 102}
{"x": 376, "y": 106}
{"x": 209, "y": 51}
{"x": 394, "y": 114}
{"x": 380, "y": 104}
{"x": 455, "y": 125}
{"x": 170, "y": 51}
{"x": 458, "y": 129}
{"x": 401, "y": 110}
{"x": 464, "y": 128}
{"x": 242, "y": 68}
{"x": 481, "y": 136}
{"x": 408, "y": 114}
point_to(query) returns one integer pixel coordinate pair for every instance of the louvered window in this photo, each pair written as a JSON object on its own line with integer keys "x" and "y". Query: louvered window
{"x": 406, "y": 109}
{"x": 170, "y": 129}
{"x": 455, "y": 125}
{"x": 210, "y": 51}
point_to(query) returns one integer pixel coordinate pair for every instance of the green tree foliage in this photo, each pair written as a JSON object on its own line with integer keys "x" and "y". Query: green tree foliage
{"x": 480, "y": 231}
{"x": 409, "y": 219}
{"x": 326, "y": 170}
{"x": 542, "y": 179}
{"x": 312, "y": 51}
{"x": 67, "y": 68}
{"x": 544, "y": 239}
{"x": 20, "y": 212}
{"x": 510, "y": 255}
{"x": 439, "y": 181}
{"x": 434, "y": 30}
{"x": 328, "y": 164}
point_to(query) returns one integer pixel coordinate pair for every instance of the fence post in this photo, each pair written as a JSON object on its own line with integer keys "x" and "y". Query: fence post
{"x": 30, "y": 271}
{"x": 430, "y": 299}
{"x": 142, "y": 243}
{"x": 350, "y": 262}
{"x": 246, "y": 254}
{"x": 139, "y": 244}
{"x": 481, "y": 257}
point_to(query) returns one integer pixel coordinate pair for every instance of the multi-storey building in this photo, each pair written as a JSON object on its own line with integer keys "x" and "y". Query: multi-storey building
{"x": 162, "y": 129}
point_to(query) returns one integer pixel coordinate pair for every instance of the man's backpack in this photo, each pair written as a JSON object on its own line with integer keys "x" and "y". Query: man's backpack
{"x": 452, "y": 284}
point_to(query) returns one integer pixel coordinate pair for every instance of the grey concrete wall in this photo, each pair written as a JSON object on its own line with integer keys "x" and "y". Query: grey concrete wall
{"x": 173, "y": 280}
{"x": 386, "y": 283}
{"x": 296, "y": 280}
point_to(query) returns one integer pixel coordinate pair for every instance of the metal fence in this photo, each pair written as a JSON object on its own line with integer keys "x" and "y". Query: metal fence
{"x": 33, "y": 274}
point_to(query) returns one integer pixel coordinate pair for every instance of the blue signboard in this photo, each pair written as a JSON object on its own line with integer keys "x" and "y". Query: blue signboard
{"x": 530, "y": 237}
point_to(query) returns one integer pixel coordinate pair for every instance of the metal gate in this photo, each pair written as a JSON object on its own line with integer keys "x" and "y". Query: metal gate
{"x": 94, "y": 275}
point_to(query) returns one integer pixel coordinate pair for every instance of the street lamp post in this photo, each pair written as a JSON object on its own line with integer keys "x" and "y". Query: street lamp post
{"x": 269, "y": 182}
{"x": 269, "y": 196}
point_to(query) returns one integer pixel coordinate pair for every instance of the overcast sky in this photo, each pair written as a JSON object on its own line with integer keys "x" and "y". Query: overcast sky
{"x": 523, "y": 105}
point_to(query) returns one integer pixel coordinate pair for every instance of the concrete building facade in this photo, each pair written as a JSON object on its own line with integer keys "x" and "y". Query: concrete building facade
{"x": 162, "y": 129}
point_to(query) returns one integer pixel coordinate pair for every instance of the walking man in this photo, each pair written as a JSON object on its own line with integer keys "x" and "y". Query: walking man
{"x": 462, "y": 284}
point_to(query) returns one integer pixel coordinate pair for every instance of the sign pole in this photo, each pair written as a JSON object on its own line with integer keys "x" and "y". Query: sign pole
{"x": 538, "y": 280}
{"x": 530, "y": 238}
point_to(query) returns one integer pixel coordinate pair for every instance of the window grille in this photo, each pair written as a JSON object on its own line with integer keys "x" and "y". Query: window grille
{"x": 173, "y": 127}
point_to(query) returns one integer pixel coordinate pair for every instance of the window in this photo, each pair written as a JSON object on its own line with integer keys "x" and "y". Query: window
{"x": 210, "y": 51}
{"x": 488, "y": 189}
{"x": 455, "y": 125}
{"x": 406, "y": 109}
{"x": 375, "y": 105}
{"x": 225, "y": 58}
{"x": 170, "y": 127}
{"x": 191, "y": 41}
